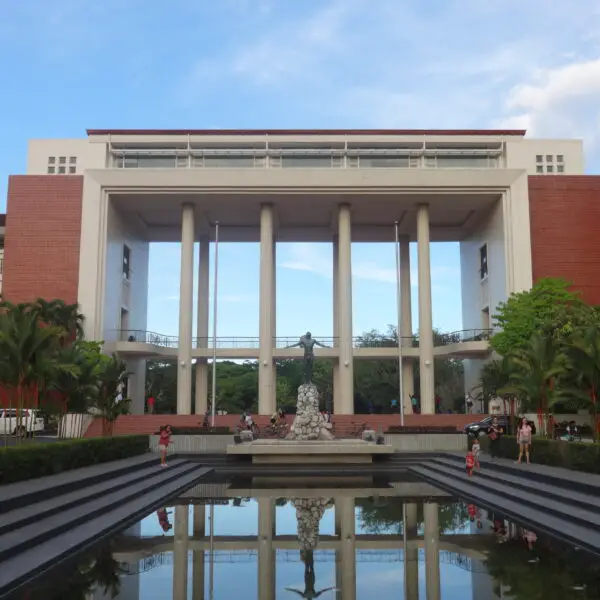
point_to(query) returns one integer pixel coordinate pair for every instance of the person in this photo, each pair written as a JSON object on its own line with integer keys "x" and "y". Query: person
{"x": 468, "y": 403}
{"x": 469, "y": 463}
{"x": 524, "y": 433}
{"x": 414, "y": 401}
{"x": 476, "y": 449}
{"x": 494, "y": 433}
{"x": 249, "y": 421}
{"x": 274, "y": 418}
{"x": 163, "y": 444}
{"x": 438, "y": 404}
{"x": 151, "y": 405}
{"x": 163, "y": 519}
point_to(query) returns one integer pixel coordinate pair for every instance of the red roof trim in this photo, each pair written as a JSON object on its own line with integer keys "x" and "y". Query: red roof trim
{"x": 218, "y": 132}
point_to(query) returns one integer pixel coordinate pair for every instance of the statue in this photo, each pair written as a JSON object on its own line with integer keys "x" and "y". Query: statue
{"x": 308, "y": 343}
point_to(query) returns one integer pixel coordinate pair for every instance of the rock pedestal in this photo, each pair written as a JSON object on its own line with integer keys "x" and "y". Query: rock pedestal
{"x": 309, "y": 423}
{"x": 309, "y": 512}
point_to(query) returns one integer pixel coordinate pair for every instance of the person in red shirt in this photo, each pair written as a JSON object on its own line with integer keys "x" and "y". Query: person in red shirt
{"x": 163, "y": 444}
{"x": 163, "y": 519}
{"x": 470, "y": 463}
{"x": 151, "y": 405}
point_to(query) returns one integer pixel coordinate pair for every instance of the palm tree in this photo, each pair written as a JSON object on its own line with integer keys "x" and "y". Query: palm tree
{"x": 60, "y": 314}
{"x": 585, "y": 352}
{"x": 28, "y": 355}
{"x": 110, "y": 404}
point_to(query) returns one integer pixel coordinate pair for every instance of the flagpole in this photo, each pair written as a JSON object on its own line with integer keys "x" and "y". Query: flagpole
{"x": 214, "y": 335}
{"x": 399, "y": 328}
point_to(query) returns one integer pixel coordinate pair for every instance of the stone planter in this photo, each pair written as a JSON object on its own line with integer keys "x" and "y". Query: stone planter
{"x": 195, "y": 444}
{"x": 427, "y": 442}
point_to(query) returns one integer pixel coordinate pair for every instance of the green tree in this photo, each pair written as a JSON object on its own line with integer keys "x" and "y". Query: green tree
{"x": 109, "y": 404}
{"x": 550, "y": 306}
{"x": 60, "y": 314}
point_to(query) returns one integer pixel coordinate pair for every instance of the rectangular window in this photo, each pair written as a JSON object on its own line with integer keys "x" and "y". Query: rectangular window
{"x": 539, "y": 169}
{"x": 549, "y": 169}
{"x": 62, "y": 170}
{"x": 560, "y": 168}
{"x": 483, "y": 262}
{"x": 72, "y": 160}
{"x": 306, "y": 162}
{"x": 560, "y": 158}
{"x": 126, "y": 261}
{"x": 156, "y": 162}
{"x": 72, "y": 169}
{"x": 232, "y": 162}
{"x": 379, "y": 162}
{"x": 549, "y": 158}
{"x": 51, "y": 160}
{"x": 51, "y": 170}
{"x": 462, "y": 162}
{"x": 62, "y": 160}
{"x": 539, "y": 158}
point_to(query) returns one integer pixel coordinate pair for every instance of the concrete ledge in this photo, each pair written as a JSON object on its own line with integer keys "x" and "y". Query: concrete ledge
{"x": 195, "y": 444}
{"x": 427, "y": 442}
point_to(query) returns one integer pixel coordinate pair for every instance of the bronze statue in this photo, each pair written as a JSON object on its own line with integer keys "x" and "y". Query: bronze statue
{"x": 308, "y": 343}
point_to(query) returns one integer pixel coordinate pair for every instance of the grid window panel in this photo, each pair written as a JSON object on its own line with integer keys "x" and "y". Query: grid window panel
{"x": 560, "y": 168}
{"x": 72, "y": 170}
{"x": 549, "y": 158}
{"x": 539, "y": 169}
{"x": 549, "y": 169}
{"x": 51, "y": 160}
{"x": 51, "y": 170}
{"x": 539, "y": 158}
{"x": 62, "y": 160}
{"x": 72, "y": 160}
{"x": 560, "y": 158}
{"x": 61, "y": 170}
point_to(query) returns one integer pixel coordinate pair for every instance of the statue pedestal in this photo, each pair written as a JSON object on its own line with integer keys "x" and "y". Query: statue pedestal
{"x": 309, "y": 423}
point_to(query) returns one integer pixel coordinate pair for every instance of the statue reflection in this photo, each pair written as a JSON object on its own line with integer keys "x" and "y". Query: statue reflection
{"x": 309, "y": 512}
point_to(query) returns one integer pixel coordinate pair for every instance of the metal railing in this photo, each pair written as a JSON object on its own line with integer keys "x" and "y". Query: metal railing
{"x": 292, "y": 556}
{"x": 172, "y": 341}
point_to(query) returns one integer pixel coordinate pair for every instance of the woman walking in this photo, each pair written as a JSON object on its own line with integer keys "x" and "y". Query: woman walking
{"x": 494, "y": 433}
{"x": 524, "y": 439}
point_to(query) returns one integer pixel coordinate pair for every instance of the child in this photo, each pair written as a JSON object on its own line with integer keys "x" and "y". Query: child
{"x": 475, "y": 449}
{"x": 163, "y": 444}
{"x": 470, "y": 463}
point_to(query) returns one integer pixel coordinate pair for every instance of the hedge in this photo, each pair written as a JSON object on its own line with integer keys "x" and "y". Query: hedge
{"x": 423, "y": 429}
{"x": 28, "y": 461}
{"x": 554, "y": 453}
{"x": 199, "y": 431}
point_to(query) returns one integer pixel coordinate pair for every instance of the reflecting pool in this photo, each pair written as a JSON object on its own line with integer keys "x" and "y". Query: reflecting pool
{"x": 272, "y": 539}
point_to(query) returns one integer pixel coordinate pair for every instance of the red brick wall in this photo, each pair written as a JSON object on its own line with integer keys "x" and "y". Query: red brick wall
{"x": 43, "y": 230}
{"x": 565, "y": 230}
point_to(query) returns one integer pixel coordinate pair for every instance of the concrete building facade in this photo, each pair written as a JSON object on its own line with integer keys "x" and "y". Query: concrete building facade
{"x": 80, "y": 222}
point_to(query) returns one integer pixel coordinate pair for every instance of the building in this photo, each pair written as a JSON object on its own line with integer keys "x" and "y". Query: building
{"x": 81, "y": 219}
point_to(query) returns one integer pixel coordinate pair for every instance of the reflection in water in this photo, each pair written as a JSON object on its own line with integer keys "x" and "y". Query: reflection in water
{"x": 390, "y": 537}
{"x": 309, "y": 512}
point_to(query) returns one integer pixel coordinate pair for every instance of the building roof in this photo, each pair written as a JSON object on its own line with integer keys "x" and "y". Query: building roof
{"x": 325, "y": 132}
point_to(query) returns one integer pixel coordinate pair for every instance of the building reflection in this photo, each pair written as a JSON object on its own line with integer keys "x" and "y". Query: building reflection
{"x": 197, "y": 544}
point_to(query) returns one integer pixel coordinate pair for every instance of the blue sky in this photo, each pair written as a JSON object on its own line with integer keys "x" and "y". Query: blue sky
{"x": 298, "y": 63}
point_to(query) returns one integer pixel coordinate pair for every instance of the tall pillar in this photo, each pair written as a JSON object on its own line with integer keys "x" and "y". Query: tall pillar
{"x": 198, "y": 555}
{"x": 408, "y": 381}
{"x": 266, "y": 553}
{"x": 411, "y": 553}
{"x": 346, "y": 555}
{"x": 274, "y": 319}
{"x": 186, "y": 308}
{"x": 432, "y": 557}
{"x": 266, "y": 391}
{"x": 202, "y": 325}
{"x": 336, "y": 325}
{"x": 427, "y": 391}
{"x": 180, "y": 553}
{"x": 344, "y": 291}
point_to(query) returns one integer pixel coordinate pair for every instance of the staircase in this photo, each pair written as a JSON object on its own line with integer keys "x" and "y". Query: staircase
{"x": 556, "y": 501}
{"x": 149, "y": 424}
{"x": 46, "y": 521}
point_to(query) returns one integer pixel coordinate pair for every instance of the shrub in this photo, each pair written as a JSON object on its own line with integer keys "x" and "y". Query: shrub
{"x": 425, "y": 429}
{"x": 199, "y": 431}
{"x": 36, "y": 460}
{"x": 554, "y": 453}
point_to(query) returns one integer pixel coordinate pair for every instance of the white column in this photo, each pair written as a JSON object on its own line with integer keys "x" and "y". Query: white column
{"x": 344, "y": 291}
{"x": 408, "y": 380}
{"x": 427, "y": 391}
{"x": 198, "y": 558}
{"x": 266, "y": 553}
{"x": 274, "y": 319}
{"x": 186, "y": 307}
{"x": 136, "y": 385}
{"x": 432, "y": 558}
{"x": 346, "y": 555}
{"x": 202, "y": 325}
{"x": 180, "y": 553}
{"x": 336, "y": 325}
{"x": 266, "y": 392}
{"x": 411, "y": 558}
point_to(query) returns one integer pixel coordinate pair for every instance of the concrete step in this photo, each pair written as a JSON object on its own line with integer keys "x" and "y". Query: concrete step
{"x": 568, "y": 496}
{"x": 532, "y": 518}
{"x": 21, "y": 539}
{"x": 559, "y": 508}
{"x": 22, "y": 569}
{"x": 34, "y": 512}
{"x": 15, "y": 495}
{"x": 586, "y": 483}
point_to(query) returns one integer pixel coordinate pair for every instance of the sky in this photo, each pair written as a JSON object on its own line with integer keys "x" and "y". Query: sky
{"x": 298, "y": 64}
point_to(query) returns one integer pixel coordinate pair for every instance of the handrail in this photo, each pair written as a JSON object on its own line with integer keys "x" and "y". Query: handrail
{"x": 281, "y": 343}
